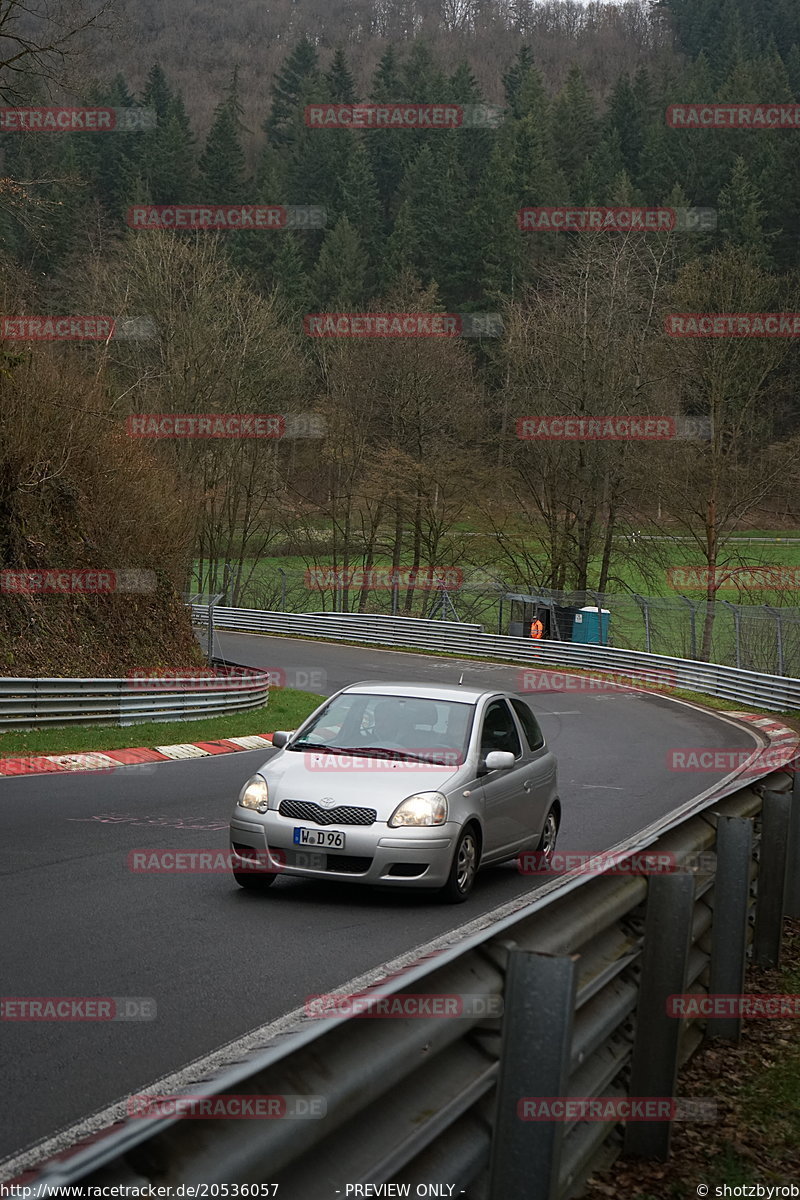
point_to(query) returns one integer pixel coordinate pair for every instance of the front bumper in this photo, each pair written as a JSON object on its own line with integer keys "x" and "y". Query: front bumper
{"x": 374, "y": 854}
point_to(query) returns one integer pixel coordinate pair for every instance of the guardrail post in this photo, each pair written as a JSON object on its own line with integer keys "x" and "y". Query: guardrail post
{"x": 665, "y": 954}
{"x": 772, "y": 871}
{"x": 535, "y": 1061}
{"x": 793, "y": 863}
{"x": 729, "y": 927}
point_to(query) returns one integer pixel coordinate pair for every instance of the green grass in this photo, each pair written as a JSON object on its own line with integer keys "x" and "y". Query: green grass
{"x": 286, "y": 709}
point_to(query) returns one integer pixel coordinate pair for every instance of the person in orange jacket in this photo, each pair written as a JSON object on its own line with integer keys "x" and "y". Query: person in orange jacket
{"x": 537, "y": 629}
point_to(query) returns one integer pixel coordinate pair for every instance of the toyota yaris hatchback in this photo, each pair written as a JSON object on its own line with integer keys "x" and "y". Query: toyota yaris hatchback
{"x": 400, "y": 784}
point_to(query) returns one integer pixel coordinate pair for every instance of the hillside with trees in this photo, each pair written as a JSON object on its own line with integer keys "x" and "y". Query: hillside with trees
{"x": 420, "y": 434}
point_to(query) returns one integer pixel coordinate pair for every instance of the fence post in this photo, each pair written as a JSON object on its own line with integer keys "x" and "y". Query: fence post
{"x": 729, "y": 925}
{"x": 692, "y": 625}
{"x": 283, "y": 589}
{"x": 737, "y": 631}
{"x": 534, "y": 1062}
{"x": 210, "y": 630}
{"x": 640, "y": 600}
{"x": 772, "y": 871}
{"x": 776, "y": 612}
{"x": 665, "y": 954}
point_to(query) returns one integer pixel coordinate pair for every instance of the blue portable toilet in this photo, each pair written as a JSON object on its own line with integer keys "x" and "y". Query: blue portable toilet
{"x": 591, "y": 625}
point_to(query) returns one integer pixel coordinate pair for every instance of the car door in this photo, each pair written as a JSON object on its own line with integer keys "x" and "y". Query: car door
{"x": 498, "y": 731}
{"x": 538, "y": 775}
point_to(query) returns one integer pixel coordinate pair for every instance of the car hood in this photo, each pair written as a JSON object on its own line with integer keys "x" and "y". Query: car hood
{"x": 365, "y": 782}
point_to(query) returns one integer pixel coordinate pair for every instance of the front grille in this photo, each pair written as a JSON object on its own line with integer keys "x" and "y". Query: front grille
{"x": 305, "y": 810}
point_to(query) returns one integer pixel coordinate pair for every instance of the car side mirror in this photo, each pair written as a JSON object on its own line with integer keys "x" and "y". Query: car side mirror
{"x": 280, "y": 738}
{"x": 499, "y": 760}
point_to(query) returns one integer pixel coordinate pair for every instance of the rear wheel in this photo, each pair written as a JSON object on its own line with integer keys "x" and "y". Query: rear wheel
{"x": 464, "y": 868}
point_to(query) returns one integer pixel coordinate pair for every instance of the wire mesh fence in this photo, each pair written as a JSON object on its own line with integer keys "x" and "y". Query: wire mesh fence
{"x": 753, "y": 637}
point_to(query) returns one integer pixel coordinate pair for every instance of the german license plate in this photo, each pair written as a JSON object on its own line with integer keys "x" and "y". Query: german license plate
{"x": 331, "y": 839}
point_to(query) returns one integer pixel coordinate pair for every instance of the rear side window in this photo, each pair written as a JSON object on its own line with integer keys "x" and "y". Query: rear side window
{"x": 533, "y": 734}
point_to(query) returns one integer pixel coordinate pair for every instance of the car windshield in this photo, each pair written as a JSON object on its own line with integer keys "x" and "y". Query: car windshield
{"x": 408, "y": 727}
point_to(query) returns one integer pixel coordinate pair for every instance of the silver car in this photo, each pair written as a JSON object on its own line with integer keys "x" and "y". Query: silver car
{"x": 400, "y": 784}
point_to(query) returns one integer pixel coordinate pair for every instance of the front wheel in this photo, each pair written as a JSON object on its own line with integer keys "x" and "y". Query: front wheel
{"x": 254, "y": 881}
{"x": 463, "y": 869}
{"x": 547, "y": 842}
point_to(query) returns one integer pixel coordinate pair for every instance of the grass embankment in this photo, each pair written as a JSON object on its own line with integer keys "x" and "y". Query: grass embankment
{"x": 286, "y": 709}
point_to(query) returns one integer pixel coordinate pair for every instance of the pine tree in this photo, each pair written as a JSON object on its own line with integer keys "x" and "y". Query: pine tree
{"x": 386, "y": 80}
{"x": 340, "y": 83}
{"x": 391, "y": 150}
{"x": 742, "y": 214}
{"x": 157, "y": 92}
{"x": 290, "y": 276}
{"x": 169, "y": 160}
{"x": 222, "y": 162}
{"x": 339, "y": 279}
{"x": 297, "y": 78}
{"x": 421, "y": 80}
{"x": 362, "y": 206}
{"x": 607, "y": 163}
{"x": 514, "y": 78}
{"x": 114, "y": 164}
{"x": 575, "y": 125}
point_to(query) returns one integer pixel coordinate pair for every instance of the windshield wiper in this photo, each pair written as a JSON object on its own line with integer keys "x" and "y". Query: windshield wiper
{"x": 318, "y": 749}
{"x": 385, "y": 752}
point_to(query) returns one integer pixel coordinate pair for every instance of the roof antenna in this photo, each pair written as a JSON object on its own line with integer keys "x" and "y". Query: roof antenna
{"x": 461, "y": 680}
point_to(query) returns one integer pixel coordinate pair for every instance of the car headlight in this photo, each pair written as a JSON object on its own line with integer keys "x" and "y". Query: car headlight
{"x": 425, "y": 808}
{"x": 255, "y": 794}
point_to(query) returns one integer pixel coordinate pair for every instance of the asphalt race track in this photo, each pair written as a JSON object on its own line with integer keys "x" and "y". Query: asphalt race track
{"x": 220, "y": 962}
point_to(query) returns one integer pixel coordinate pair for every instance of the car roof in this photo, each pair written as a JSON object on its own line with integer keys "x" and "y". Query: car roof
{"x": 422, "y": 691}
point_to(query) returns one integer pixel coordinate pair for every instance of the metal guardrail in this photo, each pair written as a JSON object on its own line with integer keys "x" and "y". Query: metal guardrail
{"x": 773, "y": 692}
{"x": 26, "y": 703}
{"x": 584, "y": 971}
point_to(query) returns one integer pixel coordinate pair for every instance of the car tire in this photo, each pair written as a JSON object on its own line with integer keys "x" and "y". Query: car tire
{"x": 547, "y": 842}
{"x": 253, "y": 881}
{"x": 463, "y": 869}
